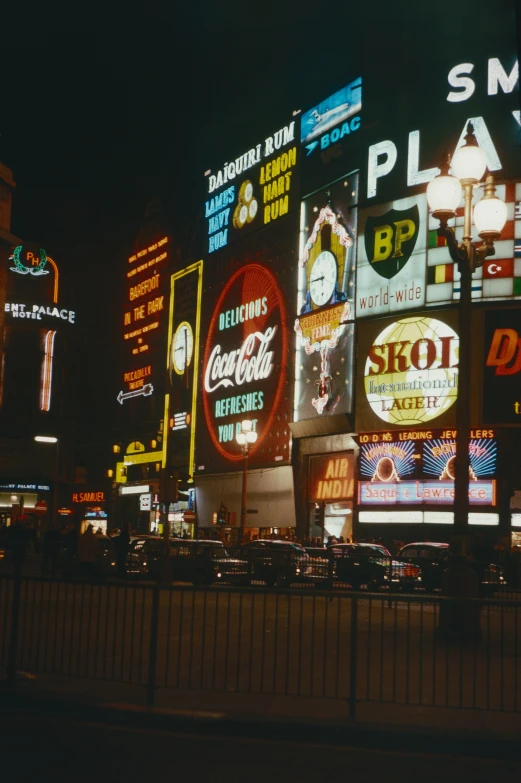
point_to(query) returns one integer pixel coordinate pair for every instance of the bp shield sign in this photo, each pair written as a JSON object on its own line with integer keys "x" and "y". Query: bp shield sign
{"x": 390, "y": 239}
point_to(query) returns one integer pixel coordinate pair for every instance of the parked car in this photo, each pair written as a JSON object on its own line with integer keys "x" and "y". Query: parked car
{"x": 143, "y": 556}
{"x": 316, "y": 551}
{"x": 283, "y": 563}
{"x": 199, "y": 562}
{"x": 206, "y": 562}
{"x": 372, "y": 565}
{"x": 433, "y": 560}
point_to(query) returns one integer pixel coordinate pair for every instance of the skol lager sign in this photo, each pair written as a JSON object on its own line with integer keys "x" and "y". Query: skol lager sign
{"x": 411, "y": 371}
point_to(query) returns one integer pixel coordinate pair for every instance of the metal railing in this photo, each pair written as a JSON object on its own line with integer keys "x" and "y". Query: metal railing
{"x": 356, "y": 647}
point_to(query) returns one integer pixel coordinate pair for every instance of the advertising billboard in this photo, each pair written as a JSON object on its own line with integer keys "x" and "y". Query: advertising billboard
{"x": 410, "y": 371}
{"x": 418, "y": 468}
{"x": 144, "y": 320}
{"x": 502, "y": 367}
{"x": 246, "y": 370}
{"x": 331, "y": 476}
{"x": 182, "y": 365}
{"x": 255, "y": 189}
{"x": 333, "y": 118}
{"x": 325, "y": 303}
{"x": 392, "y": 256}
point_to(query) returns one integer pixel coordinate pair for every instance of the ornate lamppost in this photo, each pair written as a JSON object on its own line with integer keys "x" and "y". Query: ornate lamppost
{"x": 245, "y": 438}
{"x": 444, "y": 194}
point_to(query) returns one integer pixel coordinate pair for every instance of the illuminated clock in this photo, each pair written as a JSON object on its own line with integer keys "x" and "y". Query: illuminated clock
{"x": 182, "y": 347}
{"x": 323, "y": 278}
{"x": 328, "y": 262}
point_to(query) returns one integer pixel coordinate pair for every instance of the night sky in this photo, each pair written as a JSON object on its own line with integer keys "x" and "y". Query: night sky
{"x": 102, "y": 112}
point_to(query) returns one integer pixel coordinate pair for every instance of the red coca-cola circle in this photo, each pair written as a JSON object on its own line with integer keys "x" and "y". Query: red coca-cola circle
{"x": 250, "y": 306}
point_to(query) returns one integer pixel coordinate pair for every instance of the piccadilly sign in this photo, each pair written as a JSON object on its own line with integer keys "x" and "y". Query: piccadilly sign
{"x": 245, "y": 359}
{"x": 395, "y": 468}
{"x": 411, "y": 372}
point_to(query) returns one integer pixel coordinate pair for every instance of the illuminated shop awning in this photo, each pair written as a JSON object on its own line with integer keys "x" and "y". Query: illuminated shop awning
{"x": 270, "y": 497}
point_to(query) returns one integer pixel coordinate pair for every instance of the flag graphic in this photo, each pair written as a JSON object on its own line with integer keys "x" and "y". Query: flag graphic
{"x": 435, "y": 240}
{"x": 443, "y": 273}
{"x": 501, "y": 267}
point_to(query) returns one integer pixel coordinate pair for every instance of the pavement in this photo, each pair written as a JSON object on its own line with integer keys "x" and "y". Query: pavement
{"x": 84, "y": 748}
{"x": 386, "y": 727}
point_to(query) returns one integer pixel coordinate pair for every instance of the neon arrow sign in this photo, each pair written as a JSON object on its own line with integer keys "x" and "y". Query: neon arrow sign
{"x": 145, "y": 390}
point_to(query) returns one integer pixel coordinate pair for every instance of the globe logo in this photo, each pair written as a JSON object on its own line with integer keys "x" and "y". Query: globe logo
{"x": 411, "y": 372}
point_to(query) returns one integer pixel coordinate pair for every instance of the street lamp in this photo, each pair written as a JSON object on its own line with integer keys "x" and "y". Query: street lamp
{"x": 246, "y": 437}
{"x": 444, "y": 195}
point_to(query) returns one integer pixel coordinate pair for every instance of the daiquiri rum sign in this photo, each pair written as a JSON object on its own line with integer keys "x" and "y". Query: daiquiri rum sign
{"x": 245, "y": 359}
{"x": 411, "y": 371}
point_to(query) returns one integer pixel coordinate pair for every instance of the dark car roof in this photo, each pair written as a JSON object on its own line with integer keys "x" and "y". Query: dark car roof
{"x": 359, "y": 543}
{"x": 274, "y": 542}
{"x": 440, "y": 545}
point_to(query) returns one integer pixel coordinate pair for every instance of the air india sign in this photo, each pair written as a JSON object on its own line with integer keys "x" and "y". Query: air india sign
{"x": 331, "y": 477}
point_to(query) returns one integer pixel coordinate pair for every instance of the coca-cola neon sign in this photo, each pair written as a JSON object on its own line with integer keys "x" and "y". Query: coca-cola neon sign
{"x": 245, "y": 359}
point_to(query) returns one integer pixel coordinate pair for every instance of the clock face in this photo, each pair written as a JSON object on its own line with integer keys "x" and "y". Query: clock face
{"x": 323, "y": 278}
{"x": 182, "y": 347}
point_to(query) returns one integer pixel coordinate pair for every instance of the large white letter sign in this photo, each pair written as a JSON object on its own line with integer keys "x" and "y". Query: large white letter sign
{"x": 414, "y": 175}
{"x": 498, "y": 76}
{"x": 465, "y": 84}
{"x": 376, "y": 170}
{"x": 484, "y": 140}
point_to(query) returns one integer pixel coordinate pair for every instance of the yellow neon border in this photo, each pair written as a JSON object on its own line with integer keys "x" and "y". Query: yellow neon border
{"x": 198, "y": 266}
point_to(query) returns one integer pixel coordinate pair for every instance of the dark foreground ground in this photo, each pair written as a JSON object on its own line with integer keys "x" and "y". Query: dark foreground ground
{"x": 50, "y": 748}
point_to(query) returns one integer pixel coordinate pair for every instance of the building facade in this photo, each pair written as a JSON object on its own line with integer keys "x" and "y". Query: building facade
{"x": 38, "y": 324}
{"x": 324, "y": 310}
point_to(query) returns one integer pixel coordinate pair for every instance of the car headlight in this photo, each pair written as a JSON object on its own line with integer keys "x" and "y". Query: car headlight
{"x": 218, "y": 574}
{"x": 113, "y": 563}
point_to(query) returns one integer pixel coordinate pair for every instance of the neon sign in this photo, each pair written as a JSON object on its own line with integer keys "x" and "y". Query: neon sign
{"x": 420, "y": 470}
{"x": 341, "y": 109}
{"x": 143, "y": 319}
{"x": 245, "y": 358}
{"x": 411, "y": 373}
{"x": 264, "y": 190}
{"x": 35, "y": 312}
{"x": 37, "y": 265}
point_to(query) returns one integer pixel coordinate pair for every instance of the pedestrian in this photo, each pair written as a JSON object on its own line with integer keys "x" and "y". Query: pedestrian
{"x": 515, "y": 566}
{"x": 17, "y": 544}
{"x": 121, "y": 544}
{"x": 50, "y": 551}
{"x": 88, "y": 554}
